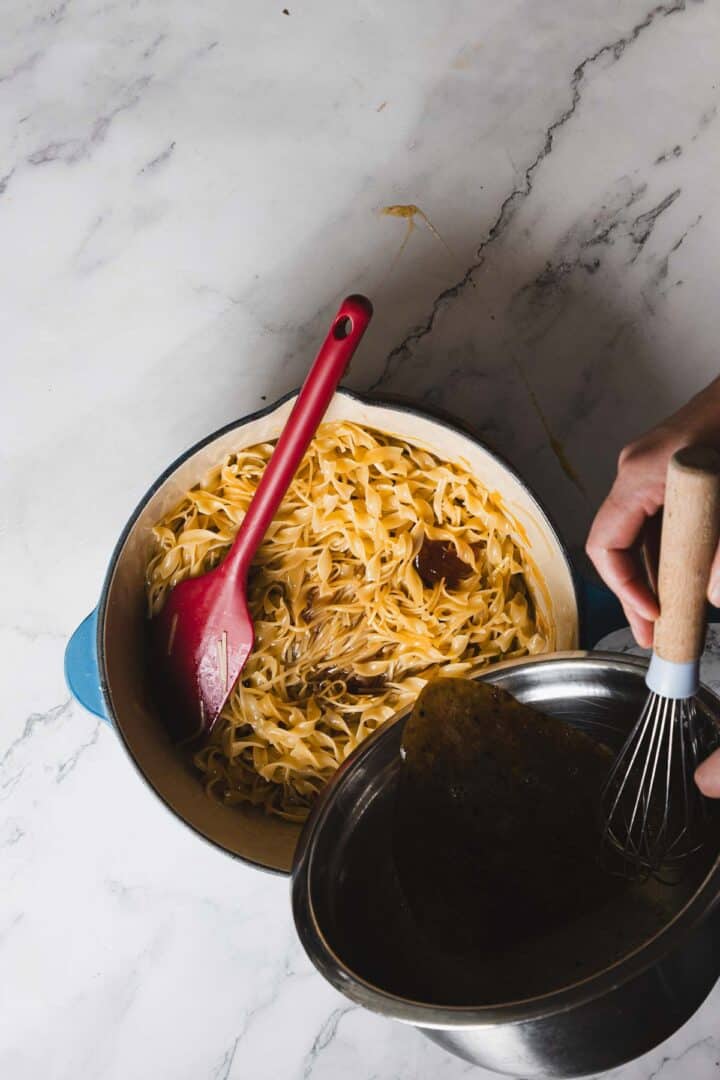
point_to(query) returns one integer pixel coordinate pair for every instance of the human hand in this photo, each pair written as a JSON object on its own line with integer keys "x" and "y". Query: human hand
{"x": 623, "y": 523}
{"x": 707, "y": 776}
{"x": 620, "y": 528}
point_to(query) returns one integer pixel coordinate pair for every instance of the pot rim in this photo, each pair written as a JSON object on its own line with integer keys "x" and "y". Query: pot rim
{"x": 390, "y": 402}
{"x": 536, "y": 1008}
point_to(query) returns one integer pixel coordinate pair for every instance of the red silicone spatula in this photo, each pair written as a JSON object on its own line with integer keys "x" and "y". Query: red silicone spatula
{"x": 204, "y": 634}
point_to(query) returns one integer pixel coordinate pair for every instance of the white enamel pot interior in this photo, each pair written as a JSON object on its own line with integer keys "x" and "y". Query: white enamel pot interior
{"x": 265, "y": 841}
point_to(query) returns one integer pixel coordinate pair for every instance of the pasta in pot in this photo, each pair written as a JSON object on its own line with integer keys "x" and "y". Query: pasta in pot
{"x": 383, "y": 565}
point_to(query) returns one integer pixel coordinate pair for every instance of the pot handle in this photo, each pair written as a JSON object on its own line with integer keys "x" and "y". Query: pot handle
{"x": 82, "y": 673}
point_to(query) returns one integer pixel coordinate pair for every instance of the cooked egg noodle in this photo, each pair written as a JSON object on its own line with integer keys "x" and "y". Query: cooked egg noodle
{"x": 347, "y": 633}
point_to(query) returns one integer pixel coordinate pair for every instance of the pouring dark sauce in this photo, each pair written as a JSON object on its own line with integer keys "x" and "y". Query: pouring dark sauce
{"x": 488, "y": 887}
{"x": 500, "y": 802}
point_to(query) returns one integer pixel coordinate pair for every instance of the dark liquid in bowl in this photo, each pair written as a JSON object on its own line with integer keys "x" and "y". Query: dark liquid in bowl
{"x": 477, "y": 878}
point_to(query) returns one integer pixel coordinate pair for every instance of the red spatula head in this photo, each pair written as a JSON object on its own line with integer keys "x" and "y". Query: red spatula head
{"x": 202, "y": 638}
{"x": 204, "y": 634}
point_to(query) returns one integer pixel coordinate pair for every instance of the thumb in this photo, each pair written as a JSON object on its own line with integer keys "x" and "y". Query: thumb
{"x": 714, "y": 582}
{"x": 707, "y": 776}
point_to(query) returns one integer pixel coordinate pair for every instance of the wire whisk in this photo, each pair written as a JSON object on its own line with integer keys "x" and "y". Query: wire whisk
{"x": 654, "y": 814}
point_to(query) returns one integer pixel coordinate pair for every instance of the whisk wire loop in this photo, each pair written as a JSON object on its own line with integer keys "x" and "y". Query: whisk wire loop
{"x": 653, "y": 812}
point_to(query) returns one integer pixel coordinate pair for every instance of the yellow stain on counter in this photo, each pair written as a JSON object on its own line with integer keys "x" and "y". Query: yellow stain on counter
{"x": 467, "y": 56}
{"x": 554, "y": 443}
{"x": 409, "y": 213}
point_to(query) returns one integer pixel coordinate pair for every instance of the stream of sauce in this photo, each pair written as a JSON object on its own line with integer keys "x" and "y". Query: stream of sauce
{"x": 505, "y": 800}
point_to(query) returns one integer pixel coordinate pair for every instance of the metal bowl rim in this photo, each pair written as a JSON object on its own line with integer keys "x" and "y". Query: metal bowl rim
{"x": 462, "y": 1016}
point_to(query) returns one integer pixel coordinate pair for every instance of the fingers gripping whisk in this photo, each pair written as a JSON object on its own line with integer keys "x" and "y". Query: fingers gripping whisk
{"x": 654, "y": 815}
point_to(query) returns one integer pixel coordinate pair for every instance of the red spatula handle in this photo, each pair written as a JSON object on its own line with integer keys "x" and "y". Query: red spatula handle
{"x": 330, "y": 364}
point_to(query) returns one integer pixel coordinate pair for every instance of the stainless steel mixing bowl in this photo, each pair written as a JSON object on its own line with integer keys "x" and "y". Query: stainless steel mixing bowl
{"x": 593, "y": 1025}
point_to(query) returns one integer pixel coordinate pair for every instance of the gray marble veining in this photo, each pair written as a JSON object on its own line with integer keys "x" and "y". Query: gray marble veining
{"x": 186, "y": 191}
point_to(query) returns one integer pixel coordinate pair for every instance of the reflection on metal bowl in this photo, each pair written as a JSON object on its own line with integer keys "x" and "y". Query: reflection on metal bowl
{"x": 630, "y": 1003}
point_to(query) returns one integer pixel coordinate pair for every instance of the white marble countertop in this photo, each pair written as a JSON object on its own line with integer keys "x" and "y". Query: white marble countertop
{"x": 186, "y": 192}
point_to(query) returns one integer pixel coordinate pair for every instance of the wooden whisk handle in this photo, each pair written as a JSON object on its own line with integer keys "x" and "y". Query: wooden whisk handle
{"x": 690, "y": 530}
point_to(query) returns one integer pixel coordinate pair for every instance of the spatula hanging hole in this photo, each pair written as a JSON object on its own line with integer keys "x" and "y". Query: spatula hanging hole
{"x": 342, "y": 328}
